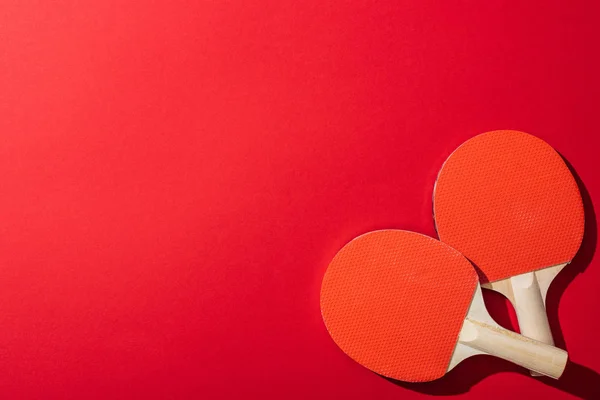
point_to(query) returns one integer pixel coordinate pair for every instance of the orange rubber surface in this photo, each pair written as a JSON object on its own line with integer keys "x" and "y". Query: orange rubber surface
{"x": 509, "y": 203}
{"x": 395, "y": 302}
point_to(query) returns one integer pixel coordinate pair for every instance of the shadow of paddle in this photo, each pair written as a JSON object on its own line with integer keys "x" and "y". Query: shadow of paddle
{"x": 581, "y": 261}
{"x": 577, "y": 379}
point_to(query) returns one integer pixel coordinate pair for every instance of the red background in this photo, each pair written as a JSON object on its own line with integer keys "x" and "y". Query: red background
{"x": 175, "y": 177}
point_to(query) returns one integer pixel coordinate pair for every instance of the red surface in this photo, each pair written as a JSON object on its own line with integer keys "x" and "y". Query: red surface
{"x": 176, "y": 176}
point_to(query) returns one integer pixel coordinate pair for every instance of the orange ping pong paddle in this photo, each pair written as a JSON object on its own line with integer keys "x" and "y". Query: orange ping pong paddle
{"x": 409, "y": 307}
{"x": 508, "y": 202}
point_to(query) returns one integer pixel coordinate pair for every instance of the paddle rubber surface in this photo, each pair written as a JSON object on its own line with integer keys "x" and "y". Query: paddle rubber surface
{"x": 395, "y": 302}
{"x": 508, "y": 202}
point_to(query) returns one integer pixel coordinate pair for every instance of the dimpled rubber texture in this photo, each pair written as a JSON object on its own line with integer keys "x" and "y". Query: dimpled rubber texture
{"x": 508, "y": 202}
{"x": 395, "y": 302}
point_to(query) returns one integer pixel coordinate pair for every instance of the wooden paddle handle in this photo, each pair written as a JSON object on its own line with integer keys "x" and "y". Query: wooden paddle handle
{"x": 530, "y": 308}
{"x": 497, "y": 341}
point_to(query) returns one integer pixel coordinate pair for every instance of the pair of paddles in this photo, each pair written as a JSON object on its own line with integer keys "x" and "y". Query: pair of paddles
{"x": 409, "y": 307}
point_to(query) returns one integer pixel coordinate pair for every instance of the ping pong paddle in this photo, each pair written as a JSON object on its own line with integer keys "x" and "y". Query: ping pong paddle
{"x": 409, "y": 307}
{"x": 507, "y": 201}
